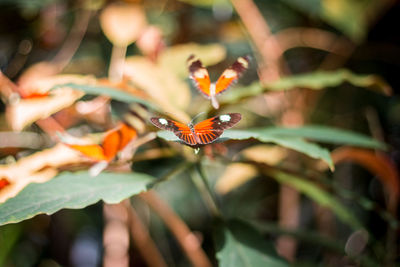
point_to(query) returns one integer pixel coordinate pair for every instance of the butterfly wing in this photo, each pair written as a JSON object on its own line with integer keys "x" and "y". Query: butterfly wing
{"x": 127, "y": 134}
{"x": 111, "y": 143}
{"x": 199, "y": 75}
{"x": 181, "y": 130}
{"x": 209, "y": 130}
{"x": 94, "y": 152}
{"x": 231, "y": 74}
{"x": 116, "y": 139}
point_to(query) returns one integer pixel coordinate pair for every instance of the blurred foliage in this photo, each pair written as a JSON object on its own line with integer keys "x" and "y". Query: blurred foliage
{"x": 308, "y": 177}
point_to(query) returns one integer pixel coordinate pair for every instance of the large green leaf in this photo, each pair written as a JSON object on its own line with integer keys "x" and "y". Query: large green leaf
{"x": 319, "y": 195}
{"x": 238, "y": 244}
{"x": 109, "y": 91}
{"x": 327, "y": 134}
{"x": 295, "y": 143}
{"x": 293, "y": 138}
{"x": 316, "y": 80}
{"x": 73, "y": 191}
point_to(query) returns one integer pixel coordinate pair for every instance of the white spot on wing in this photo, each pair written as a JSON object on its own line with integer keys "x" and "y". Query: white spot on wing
{"x": 244, "y": 62}
{"x": 229, "y": 73}
{"x": 163, "y": 121}
{"x": 225, "y": 118}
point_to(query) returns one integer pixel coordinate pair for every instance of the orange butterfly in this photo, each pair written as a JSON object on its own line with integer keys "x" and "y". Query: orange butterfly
{"x": 113, "y": 142}
{"x": 202, "y": 133}
{"x": 199, "y": 74}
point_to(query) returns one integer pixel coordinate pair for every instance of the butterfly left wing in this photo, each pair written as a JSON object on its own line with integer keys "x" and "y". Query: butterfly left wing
{"x": 181, "y": 130}
{"x": 94, "y": 152}
{"x": 209, "y": 130}
{"x": 199, "y": 75}
{"x": 231, "y": 74}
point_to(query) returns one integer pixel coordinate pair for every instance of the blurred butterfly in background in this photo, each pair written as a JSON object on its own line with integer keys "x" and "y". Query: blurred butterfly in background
{"x": 202, "y": 133}
{"x": 199, "y": 74}
{"x": 113, "y": 142}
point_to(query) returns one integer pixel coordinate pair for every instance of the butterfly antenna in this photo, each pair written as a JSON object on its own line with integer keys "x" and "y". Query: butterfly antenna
{"x": 195, "y": 117}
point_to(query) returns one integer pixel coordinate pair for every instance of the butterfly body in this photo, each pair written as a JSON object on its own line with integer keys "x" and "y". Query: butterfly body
{"x": 202, "y": 133}
{"x": 199, "y": 74}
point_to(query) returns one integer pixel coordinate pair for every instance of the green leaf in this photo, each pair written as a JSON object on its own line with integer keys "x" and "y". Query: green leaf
{"x": 293, "y": 138}
{"x": 328, "y": 134}
{"x": 73, "y": 191}
{"x": 238, "y": 244}
{"x": 110, "y": 92}
{"x": 320, "y": 196}
{"x": 9, "y": 236}
{"x": 295, "y": 143}
{"x": 317, "y": 80}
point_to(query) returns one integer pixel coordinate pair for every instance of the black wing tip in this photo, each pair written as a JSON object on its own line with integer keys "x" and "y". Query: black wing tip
{"x": 154, "y": 119}
{"x": 155, "y": 122}
{"x": 241, "y": 64}
{"x": 236, "y": 117}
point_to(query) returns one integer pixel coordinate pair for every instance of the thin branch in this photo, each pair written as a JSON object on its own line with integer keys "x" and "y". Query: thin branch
{"x": 187, "y": 240}
{"x": 142, "y": 238}
{"x": 115, "y": 236}
{"x": 264, "y": 41}
{"x": 74, "y": 39}
{"x": 208, "y": 193}
{"x": 116, "y": 69}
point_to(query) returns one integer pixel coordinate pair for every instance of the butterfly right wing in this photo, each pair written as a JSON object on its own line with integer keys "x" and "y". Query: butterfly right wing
{"x": 209, "y": 130}
{"x": 231, "y": 74}
{"x": 199, "y": 75}
{"x": 181, "y": 130}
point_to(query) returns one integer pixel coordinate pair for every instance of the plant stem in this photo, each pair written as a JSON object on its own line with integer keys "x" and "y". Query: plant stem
{"x": 209, "y": 196}
{"x": 116, "y": 69}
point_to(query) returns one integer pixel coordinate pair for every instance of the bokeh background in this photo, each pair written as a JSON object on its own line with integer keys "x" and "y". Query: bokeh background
{"x": 284, "y": 38}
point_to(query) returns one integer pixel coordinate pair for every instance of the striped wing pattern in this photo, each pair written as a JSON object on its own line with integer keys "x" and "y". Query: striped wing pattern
{"x": 181, "y": 130}
{"x": 205, "y": 132}
{"x": 209, "y": 130}
{"x": 231, "y": 74}
{"x": 199, "y": 74}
